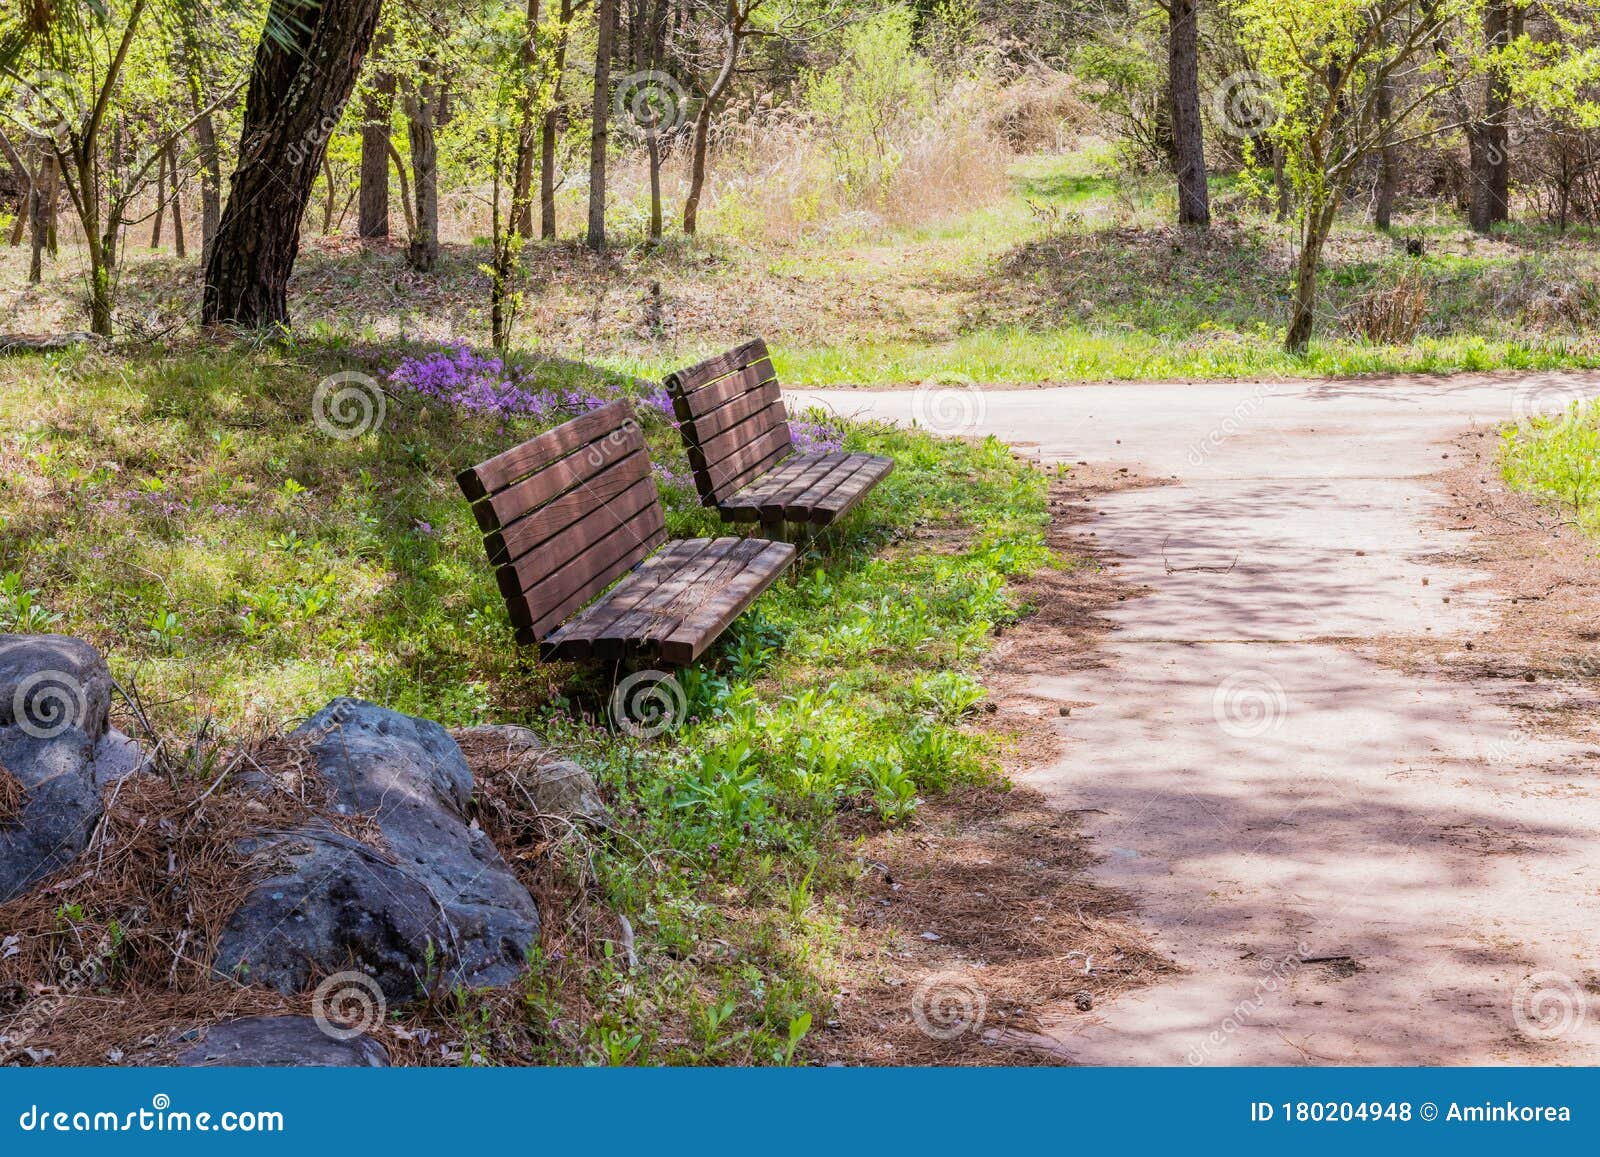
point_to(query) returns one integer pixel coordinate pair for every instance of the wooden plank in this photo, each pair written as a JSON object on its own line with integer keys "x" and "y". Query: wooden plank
{"x": 775, "y": 505}
{"x": 747, "y": 462}
{"x": 828, "y": 507}
{"x": 550, "y": 603}
{"x": 573, "y": 640}
{"x": 527, "y": 532}
{"x": 715, "y": 449}
{"x": 593, "y": 539}
{"x": 572, "y": 471}
{"x": 699, "y": 630}
{"x": 708, "y": 399}
{"x": 822, "y": 485}
{"x": 745, "y": 505}
{"x": 713, "y": 422}
{"x": 477, "y": 482}
{"x": 675, "y": 594}
{"x": 689, "y": 380}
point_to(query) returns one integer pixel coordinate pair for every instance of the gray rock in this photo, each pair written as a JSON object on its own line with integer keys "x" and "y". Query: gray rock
{"x": 33, "y": 343}
{"x": 336, "y": 903}
{"x": 279, "y": 1041}
{"x": 60, "y": 806}
{"x": 55, "y": 700}
{"x": 51, "y": 682}
{"x": 557, "y": 786}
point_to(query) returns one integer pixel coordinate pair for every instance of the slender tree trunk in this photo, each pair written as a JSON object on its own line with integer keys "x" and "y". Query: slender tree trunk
{"x": 1388, "y": 167}
{"x": 1194, "y": 204}
{"x": 178, "y": 247}
{"x": 14, "y": 159}
{"x": 606, "y": 16}
{"x": 1313, "y": 234}
{"x": 305, "y": 68}
{"x": 702, "y": 126}
{"x": 421, "y": 111}
{"x": 372, "y": 214}
{"x": 549, "y": 135}
{"x": 205, "y": 135}
{"x": 38, "y": 214}
{"x": 161, "y": 203}
{"x": 405, "y": 190}
{"x": 655, "y": 45}
{"x": 522, "y": 190}
{"x": 328, "y": 200}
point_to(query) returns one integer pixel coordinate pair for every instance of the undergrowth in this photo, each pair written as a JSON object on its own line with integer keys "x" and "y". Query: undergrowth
{"x": 240, "y": 567}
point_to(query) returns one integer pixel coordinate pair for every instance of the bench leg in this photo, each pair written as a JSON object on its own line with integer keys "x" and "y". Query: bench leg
{"x": 773, "y": 530}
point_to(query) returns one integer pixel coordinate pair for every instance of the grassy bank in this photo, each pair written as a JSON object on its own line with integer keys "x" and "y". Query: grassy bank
{"x": 1558, "y": 458}
{"x": 240, "y": 566}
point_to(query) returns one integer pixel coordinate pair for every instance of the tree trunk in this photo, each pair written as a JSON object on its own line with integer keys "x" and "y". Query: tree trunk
{"x": 405, "y": 191}
{"x": 1194, "y": 205}
{"x": 549, "y": 133}
{"x": 421, "y": 111}
{"x": 522, "y": 191}
{"x": 702, "y": 129}
{"x": 372, "y": 215}
{"x": 600, "y": 133}
{"x": 14, "y": 159}
{"x": 205, "y": 135}
{"x": 161, "y": 203}
{"x": 1388, "y": 168}
{"x": 1313, "y": 234}
{"x": 1488, "y": 141}
{"x": 178, "y": 247}
{"x": 655, "y": 46}
{"x": 38, "y": 214}
{"x": 304, "y": 70}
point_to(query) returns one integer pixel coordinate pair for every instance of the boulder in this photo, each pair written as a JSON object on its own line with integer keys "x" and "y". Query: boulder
{"x": 281, "y": 1041}
{"x": 555, "y": 786}
{"x": 55, "y": 744}
{"x": 435, "y": 902}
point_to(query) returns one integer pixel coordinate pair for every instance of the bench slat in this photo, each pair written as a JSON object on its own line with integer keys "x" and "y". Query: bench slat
{"x": 575, "y": 639}
{"x": 707, "y": 400}
{"x": 497, "y": 473}
{"x": 674, "y": 595}
{"x": 616, "y": 485}
{"x": 828, "y": 500}
{"x": 711, "y": 452}
{"x": 777, "y": 503}
{"x": 738, "y": 357}
{"x": 568, "y": 563}
{"x": 710, "y": 423}
{"x": 748, "y": 462}
{"x": 699, "y": 629}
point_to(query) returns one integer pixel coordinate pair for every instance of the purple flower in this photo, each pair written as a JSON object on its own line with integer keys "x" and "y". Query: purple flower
{"x": 814, "y": 437}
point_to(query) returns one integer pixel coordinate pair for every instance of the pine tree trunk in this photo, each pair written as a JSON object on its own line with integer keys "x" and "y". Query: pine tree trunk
{"x": 1194, "y": 205}
{"x": 1488, "y": 141}
{"x": 372, "y": 211}
{"x": 548, "y": 137}
{"x": 600, "y": 135}
{"x": 304, "y": 70}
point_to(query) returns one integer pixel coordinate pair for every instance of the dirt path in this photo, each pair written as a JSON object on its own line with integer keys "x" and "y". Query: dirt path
{"x": 1353, "y": 859}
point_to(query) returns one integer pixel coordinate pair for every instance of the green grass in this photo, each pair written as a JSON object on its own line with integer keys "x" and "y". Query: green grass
{"x": 240, "y": 568}
{"x": 1558, "y": 458}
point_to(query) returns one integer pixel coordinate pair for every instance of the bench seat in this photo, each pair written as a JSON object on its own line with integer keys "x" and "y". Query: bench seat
{"x": 676, "y": 604}
{"x": 815, "y": 488}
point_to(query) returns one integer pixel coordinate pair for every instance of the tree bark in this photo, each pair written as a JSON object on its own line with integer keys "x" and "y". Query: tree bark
{"x": 655, "y": 45}
{"x": 1488, "y": 141}
{"x": 305, "y": 68}
{"x": 1388, "y": 161}
{"x": 1194, "y": 204}
{"x": 161, "y": 203}
{"x": 205, "y": 135}
{"x": 39, "y": 196}
{"x": 606, "y": 17}
{"x": 549, "y": 134}
{"x": 421, "y": 110}
{"x": 1313, "y": 234}
{"x": 522, "y": 190}
{"x": 178, "y": 247}
{"x": 372, "y": 214}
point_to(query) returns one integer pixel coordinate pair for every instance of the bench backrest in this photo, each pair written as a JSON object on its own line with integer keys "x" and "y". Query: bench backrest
{"x": 565, "y": 514}
{"x": 731, "y": 415}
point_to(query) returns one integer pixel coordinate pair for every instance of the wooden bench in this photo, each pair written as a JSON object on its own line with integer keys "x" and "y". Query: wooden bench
{"x": 568, "y": 512}
{"x": 730, "y": 412}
